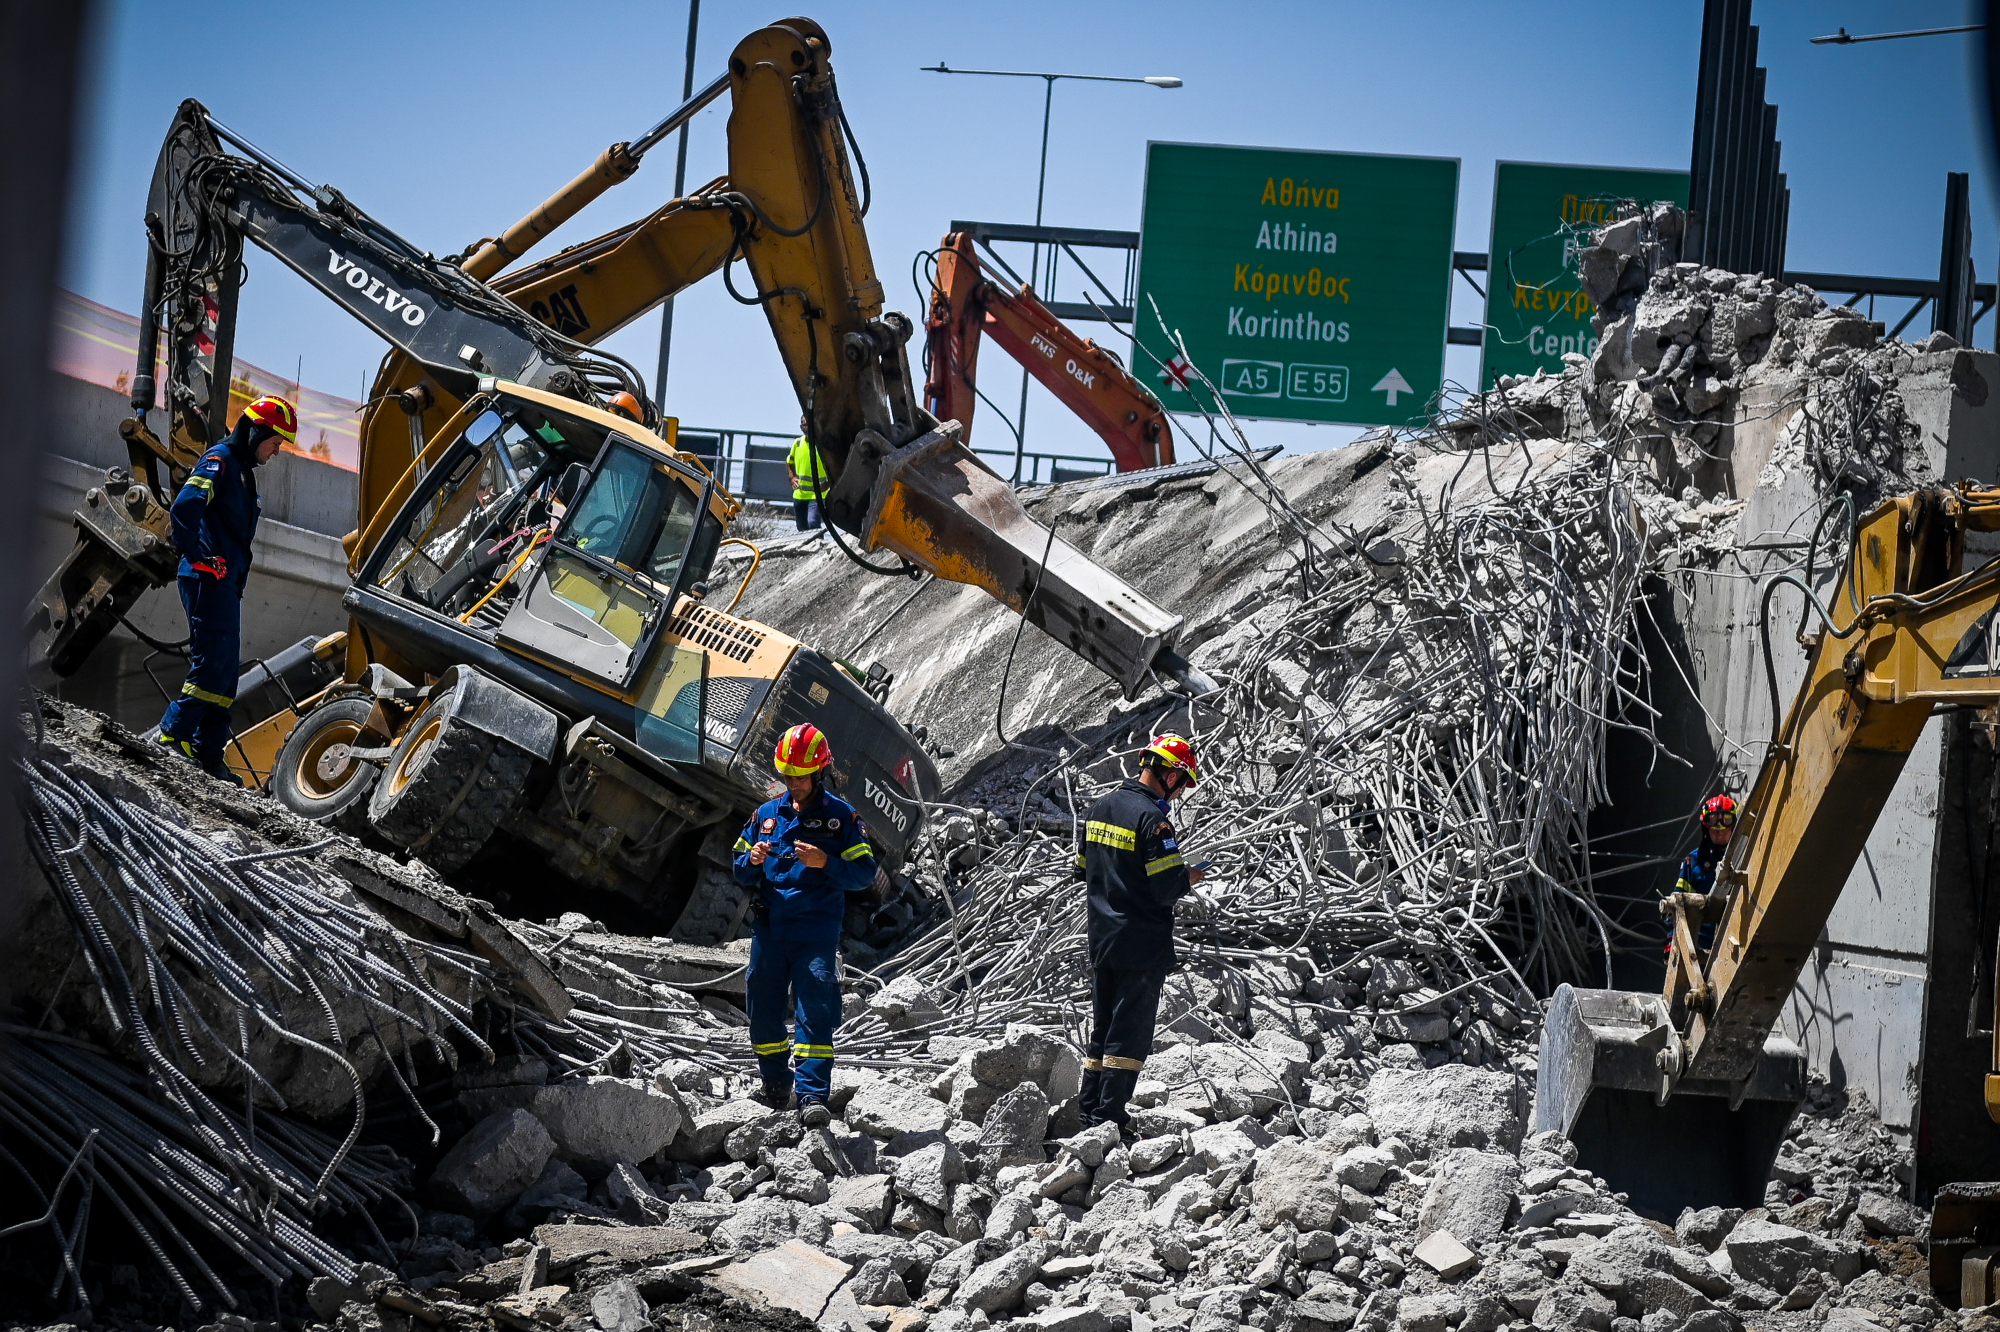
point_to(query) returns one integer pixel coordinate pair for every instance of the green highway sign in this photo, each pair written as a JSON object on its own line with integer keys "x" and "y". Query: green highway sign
{"x": 1536, "y": 309}
{"x": 1308, "y": 286}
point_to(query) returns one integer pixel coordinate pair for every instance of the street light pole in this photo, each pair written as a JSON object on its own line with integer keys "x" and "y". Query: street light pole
{"x": 1041, "y": 189}
{"x": 680, "y": 184}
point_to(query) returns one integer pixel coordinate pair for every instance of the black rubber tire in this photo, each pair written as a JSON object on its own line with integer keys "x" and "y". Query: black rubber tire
{"x": 447, "y": 787}
{"x": 310, "y": 775}
{"x": 718, "y": 908}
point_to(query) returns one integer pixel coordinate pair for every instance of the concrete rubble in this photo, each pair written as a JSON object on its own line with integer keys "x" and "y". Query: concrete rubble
{"x": 549, "y": 1126}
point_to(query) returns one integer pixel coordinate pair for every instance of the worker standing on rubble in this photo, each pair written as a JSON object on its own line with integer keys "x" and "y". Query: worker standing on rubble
{"x": 1132, "y": 868}
{"x": 808, "y": 476}
{"x": 1698, "y": 867}
{"x": 802, "y": 854}
{"x": 214, "y": 522}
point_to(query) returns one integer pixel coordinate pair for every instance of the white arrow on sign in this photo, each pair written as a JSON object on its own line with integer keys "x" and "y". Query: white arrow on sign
{"x": 1392, "y": 384}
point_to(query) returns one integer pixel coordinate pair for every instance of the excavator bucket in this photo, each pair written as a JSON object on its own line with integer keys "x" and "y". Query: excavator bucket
{"x": 1965, "y": 1245}
{"x": 939, "y": 507}
{"x": 1710, "y": 1144}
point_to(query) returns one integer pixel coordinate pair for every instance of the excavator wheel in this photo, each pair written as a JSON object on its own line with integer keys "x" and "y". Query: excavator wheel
{"x": 446, "y": 788}
{"x": 717, "y": 908}
{"x": 313, "y": 775}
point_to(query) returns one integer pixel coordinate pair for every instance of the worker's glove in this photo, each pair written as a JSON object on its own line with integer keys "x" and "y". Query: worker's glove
{"x": 213, "y": 565}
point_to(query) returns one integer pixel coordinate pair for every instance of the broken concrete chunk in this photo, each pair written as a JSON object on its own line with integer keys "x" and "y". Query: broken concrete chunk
{"x": 996, "y": 1286}
{"x": 702, "y": 1143}
{"x": 492, "y": 1164}
{"x": 632, "y": 1198}
{"x": 1707, "y": 1226}
{"x": 619, "y": 1308}
{"x": 766, "y": 1223}
{"x": 1299, "y": 1181}
{"x": 792, "y": 1275}
{"x": 1883, "y": 1215}
{"x": 890, "y": 1109}
{"x": 1228, "y": 1144}
{"x": 1014, "y": 1127}
{"x": 1449, "y": 1106}
{"x": 1778, "y": 1256}
{"x": 1470, "y": 1194}
{"x": 1442, "y": 1253}
{"x": 597, "y": 1119}
{"x": 867, "y": 1196}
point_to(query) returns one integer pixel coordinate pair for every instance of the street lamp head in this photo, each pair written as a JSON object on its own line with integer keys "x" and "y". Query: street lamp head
{"x": 1162, "y": 80}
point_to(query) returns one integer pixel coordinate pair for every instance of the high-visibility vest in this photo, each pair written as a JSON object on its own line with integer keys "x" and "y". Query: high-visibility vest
{"x": 806, "y": 464}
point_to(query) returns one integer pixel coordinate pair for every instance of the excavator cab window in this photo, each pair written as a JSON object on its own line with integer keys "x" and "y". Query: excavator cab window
{"x": 637, "y": 514}
{"x": 478, "y": 488}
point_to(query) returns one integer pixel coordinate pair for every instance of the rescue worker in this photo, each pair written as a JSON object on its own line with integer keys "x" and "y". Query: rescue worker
{"x": 801, "y": 854}
{"x": 214, "y": 522}
{"x": 1698, "y": 867}
{"x": 1132, "y": 869}
{"x": 803, "y": 465}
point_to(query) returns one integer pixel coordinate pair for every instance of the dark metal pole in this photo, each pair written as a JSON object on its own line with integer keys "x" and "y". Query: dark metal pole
{"x": 1952, "y": 311}
{"x": 680, "y": 185}
{"x": 1035, "y": 265}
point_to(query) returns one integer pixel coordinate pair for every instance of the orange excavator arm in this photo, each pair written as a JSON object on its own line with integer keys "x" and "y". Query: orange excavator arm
{"x": 1084, "y": 377}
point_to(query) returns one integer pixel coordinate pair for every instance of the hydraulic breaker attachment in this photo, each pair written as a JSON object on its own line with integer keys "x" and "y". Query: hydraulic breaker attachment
{"x": 940, "y": 508}
{"x": 124, "y": 548}
{"x": 1669, "y": 1142}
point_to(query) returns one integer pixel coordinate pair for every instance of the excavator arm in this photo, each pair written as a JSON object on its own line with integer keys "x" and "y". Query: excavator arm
{"x": 205, "y": 203}
{"x": 785, "y": 226}
{"x": 1622, "y": 1072}
{"x": 1083, "y": 376}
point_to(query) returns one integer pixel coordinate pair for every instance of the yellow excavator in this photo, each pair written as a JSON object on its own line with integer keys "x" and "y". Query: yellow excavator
{"x": 530, "y": 651}
{"x": 1682, "y": 1098}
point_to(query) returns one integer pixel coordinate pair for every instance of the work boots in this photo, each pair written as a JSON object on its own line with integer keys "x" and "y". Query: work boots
{"x": 1104, "y": 1094}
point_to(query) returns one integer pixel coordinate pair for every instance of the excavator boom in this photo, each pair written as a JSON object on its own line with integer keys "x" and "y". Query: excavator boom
{"x": 785, "y": 226}
{"x": 1621, "y": 1072}
{"x": 1083, "y": 376}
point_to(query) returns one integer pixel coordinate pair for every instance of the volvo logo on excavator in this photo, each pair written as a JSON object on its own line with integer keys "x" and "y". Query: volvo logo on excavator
{"x": 373, "y": 289}
{"x": 882, "y": 800}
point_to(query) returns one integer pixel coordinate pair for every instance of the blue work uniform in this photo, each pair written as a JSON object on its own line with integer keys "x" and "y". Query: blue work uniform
{"x": 214, "y": 521}
{"x": 1131, "y": 865}
{"x": 796, "y": 932}
{"x": 1698, "y": 869}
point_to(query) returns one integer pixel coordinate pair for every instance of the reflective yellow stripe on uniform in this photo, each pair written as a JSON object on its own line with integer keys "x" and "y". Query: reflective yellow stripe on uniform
{"x": 773, "y": 1048}
{"x": 1093, "y": 1065}
{"x": 858, "y": 850}
{"x": 1111, "y": 835}
{"x": 1120, "y": 1061}
{"x": 1081, "y": 863}
{"x": 1163, "y": 864}
{"x": 742, "y": 844}
{"x": 815, "y": 1051}
{"x": 189, "y": 690}
{"x": 201, "y": 483}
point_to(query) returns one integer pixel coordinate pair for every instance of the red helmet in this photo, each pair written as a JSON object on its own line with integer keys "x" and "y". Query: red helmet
{"x": 1718, "y": 812}
{"x": 1171, "y": 751}
{"x": 803, "y": 752}
{"x": 276, "y": 413}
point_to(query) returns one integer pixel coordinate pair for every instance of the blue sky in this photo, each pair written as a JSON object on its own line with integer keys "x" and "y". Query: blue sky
{"x": 450, "y": 120}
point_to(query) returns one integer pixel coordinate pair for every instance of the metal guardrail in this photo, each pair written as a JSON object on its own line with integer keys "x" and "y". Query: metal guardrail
{"x": 751, "y": 463}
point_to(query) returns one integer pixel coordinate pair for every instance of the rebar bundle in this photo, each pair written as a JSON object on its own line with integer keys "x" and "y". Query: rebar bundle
{"x": 195, "y": 950}
{"x": 1400, "y": 763}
